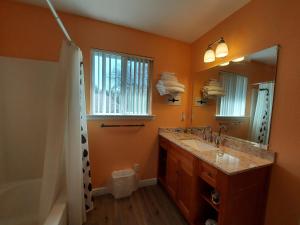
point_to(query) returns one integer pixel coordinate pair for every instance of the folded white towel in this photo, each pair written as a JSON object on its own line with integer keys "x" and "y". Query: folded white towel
{"x": 213, "y": 88}
{"x": 164, "y": 90}
{"x": 213, "y": 84}
{"x": 168, "y": 84}
{"x": 168, "y": 73}
{"x": 168, "y": 90}
{"x": 171, "y": 83}
{"x": 216, "y": 93}
{"x": 168, "y": 76}
{"x": 174, "y": 90}
{"x": 161, "y": 89}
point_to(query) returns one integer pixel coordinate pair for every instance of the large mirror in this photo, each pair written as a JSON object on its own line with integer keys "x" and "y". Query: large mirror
{"x": 238, "y": 96}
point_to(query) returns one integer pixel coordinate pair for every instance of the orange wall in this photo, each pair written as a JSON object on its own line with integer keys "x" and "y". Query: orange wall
{"x": 31, "y": 32}
{"x": 261, "y": 24}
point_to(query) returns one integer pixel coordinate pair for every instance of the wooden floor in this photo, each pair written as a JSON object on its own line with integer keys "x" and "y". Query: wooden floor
{"x": 147, "y": 206}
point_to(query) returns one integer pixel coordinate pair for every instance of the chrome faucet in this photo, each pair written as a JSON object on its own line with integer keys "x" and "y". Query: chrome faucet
{"x": 218, "y": 139}
{"x": 204, "y": 133}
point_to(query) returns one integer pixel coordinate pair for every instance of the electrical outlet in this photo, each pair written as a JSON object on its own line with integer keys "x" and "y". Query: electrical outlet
{"x": 136, "y": 167}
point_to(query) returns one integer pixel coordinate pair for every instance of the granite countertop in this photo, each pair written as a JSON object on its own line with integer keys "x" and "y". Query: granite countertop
{"x": 230, "y": 162}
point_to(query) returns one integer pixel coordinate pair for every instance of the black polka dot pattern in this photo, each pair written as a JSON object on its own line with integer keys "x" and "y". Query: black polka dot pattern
{"x": 90, "y": 187}
{"x": 86, "y": 170}
{"x": 85, "y": 153}
{"x": 262, "y": 136}
{"x": 83, "y": 139}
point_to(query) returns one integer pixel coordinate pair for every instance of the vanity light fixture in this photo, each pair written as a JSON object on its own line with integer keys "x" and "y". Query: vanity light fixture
{"x": 209, "y": 55}
{"x": 221, "y": 51}
{"x": 224, "y": 64}
{"x": 240, "y": 59}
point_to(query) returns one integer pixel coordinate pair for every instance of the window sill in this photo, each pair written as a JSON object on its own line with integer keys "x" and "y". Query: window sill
{"x": 120, "y": 117}
{"x": 235, "y": 118}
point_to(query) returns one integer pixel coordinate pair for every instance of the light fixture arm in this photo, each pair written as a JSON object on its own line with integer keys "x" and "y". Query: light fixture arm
{"x": 220, "y": 52}
{"x": 221, "y": 39}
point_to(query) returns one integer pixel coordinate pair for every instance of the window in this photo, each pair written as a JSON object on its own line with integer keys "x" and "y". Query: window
{"x": 120, "y": 84}
{"x": 233, "y": 104}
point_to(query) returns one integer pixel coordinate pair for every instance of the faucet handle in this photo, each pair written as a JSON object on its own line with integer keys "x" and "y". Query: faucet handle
{"x": 205, "y": 135}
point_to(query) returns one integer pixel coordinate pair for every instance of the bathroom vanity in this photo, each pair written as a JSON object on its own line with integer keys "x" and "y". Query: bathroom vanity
{"x": 190, "y": 170}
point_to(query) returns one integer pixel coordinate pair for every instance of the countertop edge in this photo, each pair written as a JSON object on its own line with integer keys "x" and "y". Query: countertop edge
{"x": 215, "y": 166}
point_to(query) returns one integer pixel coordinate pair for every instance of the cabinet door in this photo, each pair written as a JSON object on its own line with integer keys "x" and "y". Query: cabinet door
{"x": 172, "y": 174}
{"x": 185, "y": 191}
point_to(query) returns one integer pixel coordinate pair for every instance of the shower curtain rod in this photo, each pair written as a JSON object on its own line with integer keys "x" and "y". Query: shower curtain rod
{"x": 58, "y": 20}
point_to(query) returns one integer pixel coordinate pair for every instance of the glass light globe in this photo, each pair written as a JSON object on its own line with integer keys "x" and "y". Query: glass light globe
{"x": 222, "y": 49}
{"x": 238, "y": 59}
{"x": 224, "y": 64}
{"x": 209, "y": 56}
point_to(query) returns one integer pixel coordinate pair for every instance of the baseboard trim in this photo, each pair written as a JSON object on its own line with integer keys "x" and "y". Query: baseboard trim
{"x": 100, "y": 191}
{"x": 147, "y": 182}
{"x": 142, "y": 183}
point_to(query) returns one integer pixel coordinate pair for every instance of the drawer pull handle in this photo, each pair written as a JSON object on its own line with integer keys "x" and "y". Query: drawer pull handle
{"x": 209, "y": 174}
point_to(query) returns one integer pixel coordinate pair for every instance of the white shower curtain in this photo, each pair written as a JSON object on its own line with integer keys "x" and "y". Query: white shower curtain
{"x": 87, "y": 184}
{"x": 261, "y": 120}
{"x": 71, "y": 58}
{"x": 66, "y": 150}
{"x": 78, "y": 174}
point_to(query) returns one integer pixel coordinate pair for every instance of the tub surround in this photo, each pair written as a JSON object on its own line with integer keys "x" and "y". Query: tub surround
{"x": 20, "y": 202}
{"x": 233, "y": 161}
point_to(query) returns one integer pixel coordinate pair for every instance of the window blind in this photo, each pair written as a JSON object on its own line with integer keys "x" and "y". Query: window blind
{"x": 234, "y": 101}
{"x": 120, "y": 84}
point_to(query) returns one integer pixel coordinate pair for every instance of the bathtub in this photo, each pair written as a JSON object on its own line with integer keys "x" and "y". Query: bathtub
{"x": 19, "y": 205}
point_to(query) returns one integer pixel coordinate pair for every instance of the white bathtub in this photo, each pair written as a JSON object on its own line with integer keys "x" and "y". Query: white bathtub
{"x": 19, "y": 205}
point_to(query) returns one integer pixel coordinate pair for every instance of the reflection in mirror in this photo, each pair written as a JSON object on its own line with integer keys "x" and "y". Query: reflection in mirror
{"x": 238, "y": 95}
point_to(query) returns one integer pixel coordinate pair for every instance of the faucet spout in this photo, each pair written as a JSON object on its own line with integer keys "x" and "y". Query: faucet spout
{"x": 204, "y": 133}
{"x": 218, "y": 139}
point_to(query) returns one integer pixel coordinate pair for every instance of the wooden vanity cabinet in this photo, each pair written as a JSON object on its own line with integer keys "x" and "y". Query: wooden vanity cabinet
{"x": 172, "y": 174}
{"x": 180, "y": 179}
{"x": 189, "y": 182}
{"x": 243, "y": 197}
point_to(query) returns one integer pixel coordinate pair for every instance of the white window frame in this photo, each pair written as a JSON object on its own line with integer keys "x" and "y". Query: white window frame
{"x": 146, "y": 116}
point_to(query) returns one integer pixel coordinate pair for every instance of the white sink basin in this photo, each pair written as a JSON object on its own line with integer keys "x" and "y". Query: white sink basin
{"x": 198, "y": 145}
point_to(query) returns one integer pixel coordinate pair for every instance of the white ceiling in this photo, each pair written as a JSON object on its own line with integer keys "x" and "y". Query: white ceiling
{"x": 184, "y": 20}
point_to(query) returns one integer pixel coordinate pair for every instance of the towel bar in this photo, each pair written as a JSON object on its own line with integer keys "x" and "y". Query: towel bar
{"x": 122, "y": 125}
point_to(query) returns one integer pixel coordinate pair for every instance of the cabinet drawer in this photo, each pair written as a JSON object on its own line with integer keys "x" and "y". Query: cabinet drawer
{"x": 208, "y": 173}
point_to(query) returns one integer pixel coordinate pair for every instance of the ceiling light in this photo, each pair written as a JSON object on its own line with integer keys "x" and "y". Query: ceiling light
{"x": 224, "y": 64}
{"x": 221, "y": 51}
{"x": 209, "y": 55}
{"x": 238, "y": 59}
